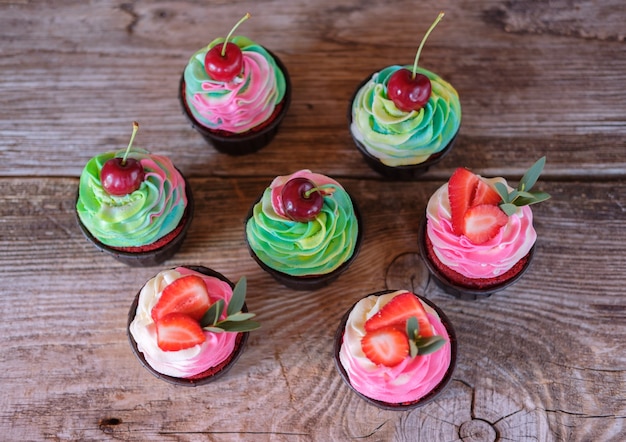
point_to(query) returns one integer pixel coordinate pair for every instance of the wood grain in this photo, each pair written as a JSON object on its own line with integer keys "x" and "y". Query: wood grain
{"x": 543, "y": 360}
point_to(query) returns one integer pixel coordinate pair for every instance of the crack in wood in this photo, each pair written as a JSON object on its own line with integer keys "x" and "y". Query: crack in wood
{"x": 283, "y": 372}
{"x": 583, "y": 415}
{"x": 373, "y": 432}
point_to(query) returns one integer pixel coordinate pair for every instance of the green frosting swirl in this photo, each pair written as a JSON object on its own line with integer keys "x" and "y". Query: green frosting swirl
{"x": 400, "y": 138}
{"x": 136, "y": 219}
{"x": 304, "y": 249}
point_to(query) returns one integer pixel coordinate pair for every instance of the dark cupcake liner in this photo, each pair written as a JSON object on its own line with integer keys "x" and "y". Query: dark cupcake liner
{"x": 405, "y": 405}
{"x": 247, "y": 142}
{"x": 210, "y": 375}
{"x": 308, "y": 282}
{"x": 461, "y": 291}
{"x": 151, "y": 257}
{"x": 406, "y": 172}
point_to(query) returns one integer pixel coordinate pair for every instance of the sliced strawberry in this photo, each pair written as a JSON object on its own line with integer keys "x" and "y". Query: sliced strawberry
{"x": 485, "y": 194}
{"x": 177, "y": 331}
{"x": 385, "y": 346}
{"x": 461, "y": 188}
{"x": 187, "y": 294}
{"x": 483, "y": 222}
{"x": 397, "y": 311}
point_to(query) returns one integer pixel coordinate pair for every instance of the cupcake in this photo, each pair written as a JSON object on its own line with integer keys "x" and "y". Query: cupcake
{"x": 404, "y": 119}
{"x": 395, "y": 349}
{"x": 188, "y": 325}
{"x": 477, "y": 236}
{"x": 304, "y": 230}
{"x": 235, "y": 93}
{"x": 134, "y": 205}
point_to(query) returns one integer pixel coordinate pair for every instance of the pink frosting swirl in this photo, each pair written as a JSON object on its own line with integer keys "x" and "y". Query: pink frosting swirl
{"x": 408, "y": 381}
{"x": 486, "y": 260}
{"x": 242, "y": 104}
{"x": 191, "y": 361}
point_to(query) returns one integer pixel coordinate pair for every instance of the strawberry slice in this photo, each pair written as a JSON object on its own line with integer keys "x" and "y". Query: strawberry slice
{"x": 187, "y": 295}
{"x": 397, "y": 311}
{"x": 485, "y": 194}
{"x": 461, "y": 188}
{"x": 483, "y": 222}
{"x": 177, "y": 331}
{"x": 385, "y": 346}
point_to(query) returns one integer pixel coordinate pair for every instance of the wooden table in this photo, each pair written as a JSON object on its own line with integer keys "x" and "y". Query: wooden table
{"x": 542, "y": 360}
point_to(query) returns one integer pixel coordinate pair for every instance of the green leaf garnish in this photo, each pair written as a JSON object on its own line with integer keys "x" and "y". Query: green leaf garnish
{"x": 419, "y": 345}
{"x": 530, "y": 177}
{"x": 238, "y": 326}
{"x": 236, "y": 320}
{"x": 239, "y": 296}
{"x": 522, "y": 196}
{"x": 213, "y": 314}
{"x": 429, "y": 345}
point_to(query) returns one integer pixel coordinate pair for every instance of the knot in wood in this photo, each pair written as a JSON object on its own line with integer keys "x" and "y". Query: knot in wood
{"x": 477, "y": 430}
{"x": 407, "y": 271}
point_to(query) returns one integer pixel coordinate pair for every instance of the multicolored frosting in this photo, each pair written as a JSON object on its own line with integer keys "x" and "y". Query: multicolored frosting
{"x": 489, "y": 259}
{"x": 399, "y": 138}
{"x": 191, "y": 361}
{"x": 408, "y": 381}
{"x": 139, "y": 218}
{"x": 239, "y": 105}
{"x": 309, "y": 248}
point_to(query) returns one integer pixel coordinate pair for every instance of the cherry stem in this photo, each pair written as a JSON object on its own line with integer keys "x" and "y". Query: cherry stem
{"x": 244, "y": 18}
{"x": 321, "y": 189}
{"x": 132, "y": 137}
{"x": 419, "y": 50}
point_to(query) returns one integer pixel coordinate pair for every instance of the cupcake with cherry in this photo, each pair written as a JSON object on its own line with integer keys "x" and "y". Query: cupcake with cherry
{"x": 478, "y": 236}
{"x": 404, "y": 119}
{"x": 235, "y": 93}
{"x": 188, "y": 325}
{"x": 395, "y": 349}
{"x": 304, "y": 230}
{"x": 134, "y": 205}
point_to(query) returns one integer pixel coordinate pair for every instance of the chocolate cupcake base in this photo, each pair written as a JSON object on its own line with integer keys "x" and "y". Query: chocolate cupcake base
{"x": 487, "y": 286}
{"x": 210, "y": 375}
{"x": 247, "y": 142}
{"x": 338, "y": 341}
{"x": 152, "y": 254}
{"x": 406, "y": 172}
{"x": 312, "y": 282}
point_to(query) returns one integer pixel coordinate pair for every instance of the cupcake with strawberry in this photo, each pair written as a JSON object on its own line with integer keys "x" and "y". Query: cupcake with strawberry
{"x": 188, "y": 325}
{"x": 395, "y": 349}
{"x": 235, "y": 93}
{"x": 404, "y": 119}
{"x": 134, "y": 205}
{"x": 304, "y": 230}
{"x": 478, "y": 235}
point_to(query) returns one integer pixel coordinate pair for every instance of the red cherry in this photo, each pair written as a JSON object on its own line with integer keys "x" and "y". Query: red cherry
{"x": 301, "y": 199}
{"x": 408, "y": 92}
{"x": 121, "y": 178}
{"x": 223, "y": 67}
{"x": 224, "y": 63}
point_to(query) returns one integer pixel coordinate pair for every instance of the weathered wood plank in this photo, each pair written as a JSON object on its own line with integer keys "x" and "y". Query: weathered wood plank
{"x": 533, "y": 80}
{"x": 540, "y": 361}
